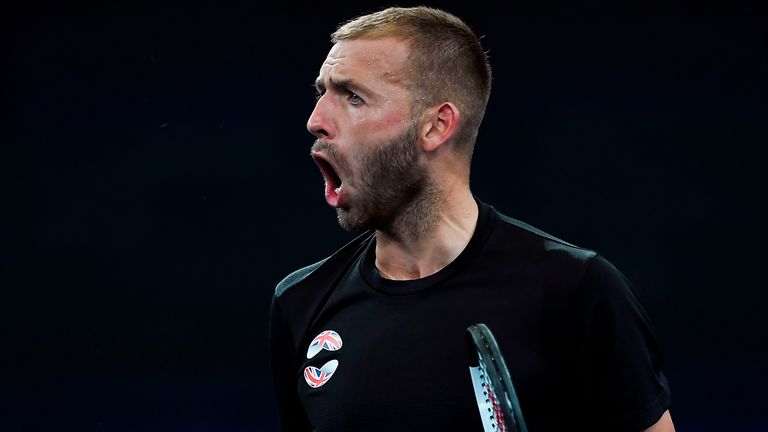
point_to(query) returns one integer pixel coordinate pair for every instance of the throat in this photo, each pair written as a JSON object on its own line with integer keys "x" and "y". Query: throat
{"x": 416, "y": 221}
{"x": 427, "y": 244}
{"x": 403, "y": 274}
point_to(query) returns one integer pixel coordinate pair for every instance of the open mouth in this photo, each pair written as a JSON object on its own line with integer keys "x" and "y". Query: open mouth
{"x": 333, "y": 183}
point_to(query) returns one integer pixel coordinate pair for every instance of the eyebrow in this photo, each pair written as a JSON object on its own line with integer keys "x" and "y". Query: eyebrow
{"x": 344, "y": 83}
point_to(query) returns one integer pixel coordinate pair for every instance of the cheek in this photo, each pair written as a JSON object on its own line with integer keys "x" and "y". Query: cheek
{"x": 370, "y": 129}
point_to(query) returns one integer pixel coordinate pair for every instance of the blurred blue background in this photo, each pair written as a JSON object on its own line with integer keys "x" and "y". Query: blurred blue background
{"x": 156, "y": 185}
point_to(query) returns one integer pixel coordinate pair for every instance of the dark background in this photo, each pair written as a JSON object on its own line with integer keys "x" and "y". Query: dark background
{"x": 156, "y": 185}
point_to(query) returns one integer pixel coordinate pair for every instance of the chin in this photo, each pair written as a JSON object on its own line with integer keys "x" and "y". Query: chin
{"x": 350, "y": 221}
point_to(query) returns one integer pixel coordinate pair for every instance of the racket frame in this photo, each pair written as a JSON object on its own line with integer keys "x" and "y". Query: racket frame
{"x": 482, "y": 345}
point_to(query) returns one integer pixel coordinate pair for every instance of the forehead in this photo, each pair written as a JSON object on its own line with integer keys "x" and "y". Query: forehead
{"x": 367, "y": 60}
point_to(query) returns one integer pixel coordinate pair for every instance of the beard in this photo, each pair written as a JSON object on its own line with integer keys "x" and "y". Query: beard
{"x": 390, "y": 189}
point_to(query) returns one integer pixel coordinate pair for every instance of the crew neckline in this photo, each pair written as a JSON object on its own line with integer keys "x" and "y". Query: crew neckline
{"x": 369, "y": 272}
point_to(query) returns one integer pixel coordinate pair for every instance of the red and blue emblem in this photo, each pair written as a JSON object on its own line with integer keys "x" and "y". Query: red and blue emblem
{"x": 327, "y": 340}
{"x": 317, "y": 377}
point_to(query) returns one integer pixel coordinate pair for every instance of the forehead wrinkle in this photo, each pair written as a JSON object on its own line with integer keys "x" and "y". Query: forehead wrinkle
{"x": 330, "y": 62}
{"x": 371, "y": 71}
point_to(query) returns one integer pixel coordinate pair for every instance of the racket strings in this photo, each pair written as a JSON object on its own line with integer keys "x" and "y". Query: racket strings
{"x": 496, "y": 414}
{"x": 492, "y": 383}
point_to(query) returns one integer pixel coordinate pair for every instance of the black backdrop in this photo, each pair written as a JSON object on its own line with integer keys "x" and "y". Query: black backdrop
{"x": 157, "y": 184}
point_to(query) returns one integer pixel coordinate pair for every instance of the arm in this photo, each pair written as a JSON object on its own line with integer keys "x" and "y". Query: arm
{"x": 663, "y": 425}
{"x": 624, "y": 357}
{"x": 284, "y": 375}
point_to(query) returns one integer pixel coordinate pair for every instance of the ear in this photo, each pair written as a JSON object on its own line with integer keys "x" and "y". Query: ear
{"x": 439, "y": 125}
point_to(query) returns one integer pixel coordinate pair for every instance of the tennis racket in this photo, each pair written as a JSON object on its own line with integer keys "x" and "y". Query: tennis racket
{"x": 496, "y": 398}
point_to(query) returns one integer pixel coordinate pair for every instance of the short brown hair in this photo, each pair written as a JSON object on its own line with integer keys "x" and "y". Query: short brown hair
{"x": 446, "y": 57}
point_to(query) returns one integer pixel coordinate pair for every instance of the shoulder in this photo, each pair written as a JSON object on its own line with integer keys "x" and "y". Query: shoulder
{"x": 593, "y": 272}
{"x": 558, "y": 267}
{"x": 538, "y": 243}
{"x": 296, "y": 277}
{"x": 335, "y": 261}
{"x": 605, "y": 286}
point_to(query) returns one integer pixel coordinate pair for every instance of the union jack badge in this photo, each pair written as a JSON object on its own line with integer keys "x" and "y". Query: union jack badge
{"x": 317, "y": 377}
{"x": 327, "y": 340}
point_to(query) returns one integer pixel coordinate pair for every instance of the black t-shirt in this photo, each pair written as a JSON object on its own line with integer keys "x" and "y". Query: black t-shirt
{"x": 356, "y": 352}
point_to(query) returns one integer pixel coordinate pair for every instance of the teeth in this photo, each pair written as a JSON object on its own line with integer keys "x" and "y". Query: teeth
{"x": 337, "y": 190}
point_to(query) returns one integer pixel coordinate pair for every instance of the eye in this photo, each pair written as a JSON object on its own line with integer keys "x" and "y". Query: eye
{"x": 354, "y": 99}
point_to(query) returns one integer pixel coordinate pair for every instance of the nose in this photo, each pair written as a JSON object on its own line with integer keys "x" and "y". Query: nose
{"x": 319, "y": 123}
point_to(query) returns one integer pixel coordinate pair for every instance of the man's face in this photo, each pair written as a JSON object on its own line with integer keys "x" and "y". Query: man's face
{"x": 367, "y": 142}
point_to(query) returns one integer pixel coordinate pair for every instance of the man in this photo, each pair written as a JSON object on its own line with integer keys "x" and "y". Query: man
{"x": 372, "y": 338}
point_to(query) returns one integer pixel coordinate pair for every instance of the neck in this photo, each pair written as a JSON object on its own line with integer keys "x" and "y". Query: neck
{"x": 408, "y": 253}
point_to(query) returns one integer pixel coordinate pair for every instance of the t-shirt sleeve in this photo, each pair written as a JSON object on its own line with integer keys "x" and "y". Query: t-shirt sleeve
{"x": 625, "y": 388}
{"x": 282, "y": 359}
